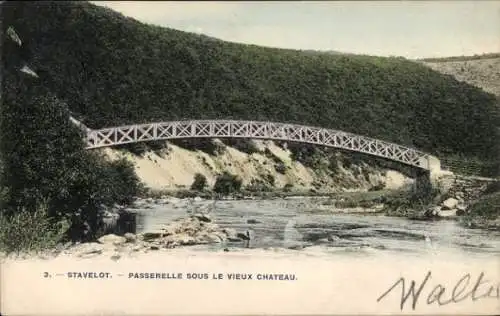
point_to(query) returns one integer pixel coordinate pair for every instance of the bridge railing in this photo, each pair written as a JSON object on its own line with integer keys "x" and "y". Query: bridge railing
{"x": 257, "y": 130}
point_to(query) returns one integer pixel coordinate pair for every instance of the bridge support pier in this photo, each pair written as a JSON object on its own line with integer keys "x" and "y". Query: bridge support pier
{"x": 427, "y": 180}
{"x": 423, "y": 182}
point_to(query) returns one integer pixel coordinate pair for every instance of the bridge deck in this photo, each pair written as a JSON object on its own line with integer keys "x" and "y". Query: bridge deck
{"x": 255, "y": 130}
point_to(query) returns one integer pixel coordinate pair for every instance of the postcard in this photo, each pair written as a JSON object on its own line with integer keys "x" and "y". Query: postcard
{"x": 250, "y": 158}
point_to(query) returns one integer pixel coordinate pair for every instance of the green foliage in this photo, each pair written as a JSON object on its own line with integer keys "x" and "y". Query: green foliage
{"x": 227, "y": 183}
{"x": 113, "y": 70}
{"x": 280, "y": 167}
{"x": 484, "y": 213}
{"x": 209, "y": 146}
{"x": 30, "y": 231}
{"x": 270, "y": 179}
{"x": 471, "y": 166}
{"x": 487, "y": 206}
{"x": 288, "y": 187}
{"x": 244, "y": 145}
{"x": 199, "y": 183}
{"x": 257, "y": 185}
{"x": 123, "y": 181}
{"x": 492, "y": 187}
{"x": 45, "y": 161}
{"x": 412, "y": 204}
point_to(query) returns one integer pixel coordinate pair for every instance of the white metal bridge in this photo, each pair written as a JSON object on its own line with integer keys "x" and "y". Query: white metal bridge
{"x": 257, "y": 130}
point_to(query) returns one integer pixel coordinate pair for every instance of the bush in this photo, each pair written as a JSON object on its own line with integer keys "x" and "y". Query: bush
{"x": 199, "y": 183}
{"x": 227, "y": 183}
{"x": 488, "y": 207}
{"x": 257, "y": 185}
{"x": 125, "y": 185}
{"x": 270, "y": 179}
{"x": 492, "y": 187}
{"x": 207, "y": 145}
{"x": 31, "y": 231}
{"x": 413, "y": 203}
{"x": 288, "y": 187}
{"x": 377, "y": 187}
{"x": 244, "y": 145}
{"x": 280, "y": 168}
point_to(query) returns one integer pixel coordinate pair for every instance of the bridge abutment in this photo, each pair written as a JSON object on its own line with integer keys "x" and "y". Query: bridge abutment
{"x": 427, "y": 180}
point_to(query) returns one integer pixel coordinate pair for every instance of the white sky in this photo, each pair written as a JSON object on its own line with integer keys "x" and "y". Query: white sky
{"x": 413, "y": 29}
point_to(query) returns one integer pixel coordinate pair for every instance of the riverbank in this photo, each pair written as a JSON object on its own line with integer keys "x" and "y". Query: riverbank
{"x": 298, "y": 224}
{"x": 169, "y": 222}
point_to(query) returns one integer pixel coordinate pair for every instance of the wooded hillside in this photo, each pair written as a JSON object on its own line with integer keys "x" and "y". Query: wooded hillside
{"x": 114, "y": 70}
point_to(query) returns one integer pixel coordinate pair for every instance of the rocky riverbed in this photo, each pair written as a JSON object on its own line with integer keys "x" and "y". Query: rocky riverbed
{"x": 298, "y": 223}
{"x": 350, "y": 222}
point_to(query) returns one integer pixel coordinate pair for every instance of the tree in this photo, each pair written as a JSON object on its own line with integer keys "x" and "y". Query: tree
{"x": 227, "y": 183}
{"x": 45, "y": 161}
{"x": 199, "y": 183}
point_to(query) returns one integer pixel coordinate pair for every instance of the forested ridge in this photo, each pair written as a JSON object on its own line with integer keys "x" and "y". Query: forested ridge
{"x": 113, "y": 70}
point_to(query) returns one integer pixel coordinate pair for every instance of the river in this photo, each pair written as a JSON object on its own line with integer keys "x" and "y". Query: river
{"x": 307, "y": 224}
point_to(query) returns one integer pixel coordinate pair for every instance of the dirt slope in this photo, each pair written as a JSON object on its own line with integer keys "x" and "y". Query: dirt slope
{"x": 175, "y": 169}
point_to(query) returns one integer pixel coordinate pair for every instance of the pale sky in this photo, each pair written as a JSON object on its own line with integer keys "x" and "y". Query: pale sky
{"x": 413, "y": 29}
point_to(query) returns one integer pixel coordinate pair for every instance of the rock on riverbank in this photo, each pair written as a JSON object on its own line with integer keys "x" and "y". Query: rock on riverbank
{"x": 197, "y": 229}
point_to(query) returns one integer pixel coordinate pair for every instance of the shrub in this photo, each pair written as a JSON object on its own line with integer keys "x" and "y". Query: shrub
{"x": 280, "y": 168}
{"x": 257, "y": 185}
{"x": 488, "y": 207}
{"x": 227, "y": 183}
{"x": 199, "y": 183}
{"x": 270, "y": 179}
{"x": 30, "y": 231}
{"x": 244, "y": 145}
{"x": 207, "y": 145}
{"x": 377, "y": 187}
{"x": 288, "y": 187}
{"x": 125, "y": 184}
{"x": 492, "y": 187}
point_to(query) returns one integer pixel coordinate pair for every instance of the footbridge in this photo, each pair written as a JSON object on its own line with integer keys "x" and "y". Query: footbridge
{"x": 127, "y": 134}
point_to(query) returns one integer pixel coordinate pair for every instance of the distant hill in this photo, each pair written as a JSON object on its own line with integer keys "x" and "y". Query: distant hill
{"x": 331, "y": 52}
{"x": 481, "y": 70}
{"x": 114, "y": 70}
{"x": 461, "y": 58}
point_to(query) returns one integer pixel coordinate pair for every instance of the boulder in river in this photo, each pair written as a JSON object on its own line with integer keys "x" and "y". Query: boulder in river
{"x": 87, "y": 250}
{"x": 433, "y": 211}
{"x": 152, "y": 235}
{"x": 181, "y": 239}
{"x": 130, "y": 237}
{"x": 203, "y": 217}
{"x": 112, "y": 239}
{"x": 449, "y": 204}
{"x": 447, "y": 213}
{"x": 194, "y": 230}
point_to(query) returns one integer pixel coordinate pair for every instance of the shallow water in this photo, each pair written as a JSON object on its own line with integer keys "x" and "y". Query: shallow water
{"x": 305, "y": 224}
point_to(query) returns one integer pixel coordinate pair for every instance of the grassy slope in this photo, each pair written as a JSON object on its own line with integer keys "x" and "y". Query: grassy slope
{"x": 114, "y": 70}
{"x": 482, "y": 71}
